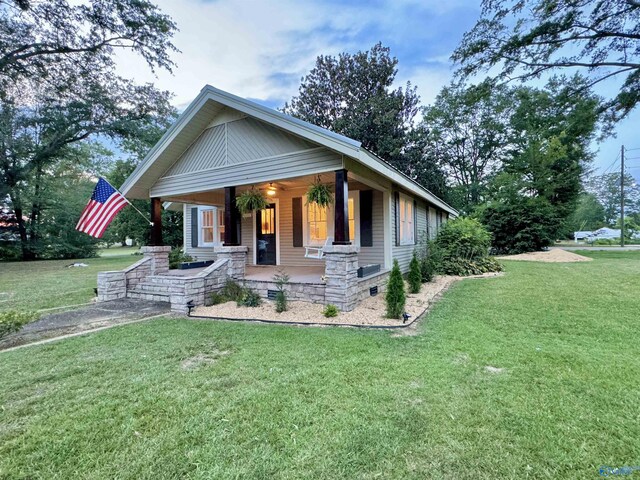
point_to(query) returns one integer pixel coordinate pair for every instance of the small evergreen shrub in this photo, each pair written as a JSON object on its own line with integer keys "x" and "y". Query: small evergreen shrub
{"x": 249, "y": 298}
{"x": 415, "y": 275}
{"x": 427, "y": 269}
{"x": 330, "y": 311}
{"x": 232, "y": 291}
{"x": 177, "y": 256}
{"x": 281, "y": 279}
{"x": 12, "y": 321}
{"x": 395, "y": 296}
{"x": 217, "y": 298}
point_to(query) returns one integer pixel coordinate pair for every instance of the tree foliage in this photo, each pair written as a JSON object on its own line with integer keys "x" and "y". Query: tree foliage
{"x": 589, "y": 215}
{"x": 606, "y": 189}
{"x": 527, "y": 38}
{"x": 353, "y": 94}
{"x": 466, "y": 131}
{"x": 59, "y": 90}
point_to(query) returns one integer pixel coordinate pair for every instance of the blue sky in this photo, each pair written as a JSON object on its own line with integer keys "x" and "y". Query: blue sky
{"x": 260, "y": 50}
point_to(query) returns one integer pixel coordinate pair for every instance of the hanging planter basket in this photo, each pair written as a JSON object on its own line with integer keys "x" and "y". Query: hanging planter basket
{"x": 250, "y": 201}
{"x": 320, "y": 194}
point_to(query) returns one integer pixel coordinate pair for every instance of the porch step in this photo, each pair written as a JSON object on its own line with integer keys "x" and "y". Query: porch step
{"x": 150, "y": 290}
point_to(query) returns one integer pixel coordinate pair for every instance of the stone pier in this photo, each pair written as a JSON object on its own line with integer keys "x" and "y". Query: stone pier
{"x": 341, "y": 276}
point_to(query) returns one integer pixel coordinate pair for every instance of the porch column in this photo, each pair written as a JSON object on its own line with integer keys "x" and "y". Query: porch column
{"x": 341, "y": 217}
{"x": 231, "y": 218}
{"x": 156, "y": 218}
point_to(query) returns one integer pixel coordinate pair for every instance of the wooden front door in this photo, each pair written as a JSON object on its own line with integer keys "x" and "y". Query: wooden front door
{"x": 266, "y": 252}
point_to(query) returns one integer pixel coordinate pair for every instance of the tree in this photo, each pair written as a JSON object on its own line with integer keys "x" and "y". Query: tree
{"x": 59, "y": 90}
{"x": 588, "y": 216}
{"x": 606, "y": 189}
{"x": 527, "y": 38}
{"x": 35, "y": 36}
{"x": 352, "y": 95}
{"x": 466, "y": 130}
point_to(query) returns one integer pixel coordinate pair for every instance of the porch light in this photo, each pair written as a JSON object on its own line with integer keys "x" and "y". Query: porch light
{"x": 271, "y": 191}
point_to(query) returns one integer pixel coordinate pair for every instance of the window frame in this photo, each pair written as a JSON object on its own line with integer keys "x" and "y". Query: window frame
{"x": 215, "y": 227}
{"x": 407, "y": 227}
{"x": 331, "y": 210}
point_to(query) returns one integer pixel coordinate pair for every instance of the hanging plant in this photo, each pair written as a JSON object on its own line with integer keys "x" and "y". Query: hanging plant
{"x": 319, "y": 194}
{"x": 251, "y": 200}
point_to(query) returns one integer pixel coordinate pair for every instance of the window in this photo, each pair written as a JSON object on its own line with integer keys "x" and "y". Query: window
{"x": 406, "y": 221}
{"x": 220, "y": 225}
{"x": 354, "y": 217}
{"x": 211, "y": 231}
{"x": 316, "y": 224}
{"x": 268, "y": 219}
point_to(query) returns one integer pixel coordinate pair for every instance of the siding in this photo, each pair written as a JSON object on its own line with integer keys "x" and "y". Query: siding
{"x": 285, "y": 166}
{"x": 375, "y": 253}
{"x": 290, "y": 255}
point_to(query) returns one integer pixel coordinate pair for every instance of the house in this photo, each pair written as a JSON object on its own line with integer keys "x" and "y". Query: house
{"x": 223, "y": 145}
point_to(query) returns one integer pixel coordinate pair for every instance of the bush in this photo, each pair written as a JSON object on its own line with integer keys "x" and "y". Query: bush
{"x": 427, "y": 269}
{"x": 415, "y": 274}
{"x": 13, "y": 320}
{"x": 177, "y": 256}
{"x": 529, "y": 225}
{"x": 463, "y": 237}
{"x": 232, "y": 291}
{"x": 281, "y": 279}
{"x": 330, "y": 311}
{"x": 249, "y": 298}
{"x": 217, "y": 298}
{"x": 464, "y": 267}
{"x": 395, "y": 296}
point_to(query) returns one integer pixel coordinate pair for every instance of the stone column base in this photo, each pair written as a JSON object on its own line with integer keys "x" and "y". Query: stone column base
{"x": 237, "y": 256}
{"x": 159, "y": 258}
{"x": 341, "y": 276}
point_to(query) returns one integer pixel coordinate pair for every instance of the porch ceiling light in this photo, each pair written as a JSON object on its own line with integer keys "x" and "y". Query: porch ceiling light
{"x": 271, "y": 191}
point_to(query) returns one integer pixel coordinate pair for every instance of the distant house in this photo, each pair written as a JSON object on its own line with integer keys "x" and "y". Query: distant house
{"x": 223, "y": 145}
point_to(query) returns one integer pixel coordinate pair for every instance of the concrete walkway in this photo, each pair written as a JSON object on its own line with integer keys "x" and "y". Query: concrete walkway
{"x": 95, "y": 316}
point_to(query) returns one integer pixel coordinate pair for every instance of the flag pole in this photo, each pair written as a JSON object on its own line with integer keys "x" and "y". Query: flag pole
{"x": 136, "y": 208}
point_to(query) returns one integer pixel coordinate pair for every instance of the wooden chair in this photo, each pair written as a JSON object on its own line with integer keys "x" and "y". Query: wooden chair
{"x": 317, "y": 252}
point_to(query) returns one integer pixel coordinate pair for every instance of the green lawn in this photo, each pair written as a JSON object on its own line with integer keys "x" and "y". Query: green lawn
{"x": 262, "y": 401}
{"x": 49, "y": 283}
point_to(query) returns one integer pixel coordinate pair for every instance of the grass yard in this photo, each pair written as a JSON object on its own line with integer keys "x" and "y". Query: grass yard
{"x": 49, "y": 283}
{"x": 204, "y": 399}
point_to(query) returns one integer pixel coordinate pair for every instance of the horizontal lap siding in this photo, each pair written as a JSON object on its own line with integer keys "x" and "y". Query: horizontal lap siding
{"x": 404, "y": 253}
{"x": 264, "y": 170}
{"x": 375, "y": 253}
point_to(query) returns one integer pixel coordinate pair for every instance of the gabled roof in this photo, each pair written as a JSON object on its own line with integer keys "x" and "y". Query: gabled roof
{"x": 210, "y": 101}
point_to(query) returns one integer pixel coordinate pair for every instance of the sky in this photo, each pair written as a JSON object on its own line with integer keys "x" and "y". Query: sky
{"x": 261, "y": 49}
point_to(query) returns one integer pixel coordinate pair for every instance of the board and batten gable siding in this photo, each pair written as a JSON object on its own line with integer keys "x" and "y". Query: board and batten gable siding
{"x": 242, "y": 152}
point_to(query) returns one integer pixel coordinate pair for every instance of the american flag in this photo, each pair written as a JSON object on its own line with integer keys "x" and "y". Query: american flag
{"x": 105, "y": 204}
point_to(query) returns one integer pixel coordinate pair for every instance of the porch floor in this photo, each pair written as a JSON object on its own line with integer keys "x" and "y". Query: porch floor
{"x": 296, "y": 274}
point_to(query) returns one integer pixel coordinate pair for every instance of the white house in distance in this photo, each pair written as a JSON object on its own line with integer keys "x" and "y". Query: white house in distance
{"x": 223, "y": 145}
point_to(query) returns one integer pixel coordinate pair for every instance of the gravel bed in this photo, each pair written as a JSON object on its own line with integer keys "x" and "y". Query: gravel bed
{"x": 555, "y": 255}
{"x": 370, "y": 311}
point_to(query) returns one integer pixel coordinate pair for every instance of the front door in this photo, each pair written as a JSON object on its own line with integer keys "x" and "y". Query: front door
{"x": 266, "y": 236}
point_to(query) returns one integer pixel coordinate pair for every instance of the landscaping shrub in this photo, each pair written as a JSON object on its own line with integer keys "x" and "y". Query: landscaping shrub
{"x": 415, "y": 274}
{"x": 462, "y": 248}
{"x": 464, "y": 267}
{"x": 424, "y": 258}
{"x": 330, "y": 311}
{"x": 281, "y": 279}
{"x": 249, "y": 298}
{"x": 395, "y": 296}
{"x": 217, "y": 298}
{"x": 177, "y": 256}
{"x": 232, "y": 291}
{"x": 13, "y": 320}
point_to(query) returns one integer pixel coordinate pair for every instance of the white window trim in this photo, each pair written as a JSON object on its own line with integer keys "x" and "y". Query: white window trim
{"x": 355, "y": 194}
{"x": 201, "y": 242}
{"x": 408, "y": 200}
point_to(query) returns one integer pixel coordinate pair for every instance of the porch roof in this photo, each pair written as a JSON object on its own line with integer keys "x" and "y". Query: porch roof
{"x": 212, "y": 101}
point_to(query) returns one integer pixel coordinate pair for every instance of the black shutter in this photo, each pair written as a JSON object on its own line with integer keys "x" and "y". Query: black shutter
{"x": 194, "y": 227}
{"x": 366, "y": 218}
{"x": 396, "y": 196}
{"x": 415, "y": 221}
{"x": 296, "y": 206}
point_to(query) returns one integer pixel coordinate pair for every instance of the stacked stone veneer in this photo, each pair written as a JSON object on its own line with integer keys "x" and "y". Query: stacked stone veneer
{"x": 341, "y": 276}
{"x": 305, "y": 292}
